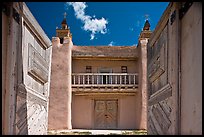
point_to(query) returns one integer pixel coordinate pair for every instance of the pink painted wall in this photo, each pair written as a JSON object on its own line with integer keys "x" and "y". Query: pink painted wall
{"x": 80, "y": 65}
{"x": 128, "y": 112}
{"x": 129, "y": 107}
{"x": 57, "y": 116}
{"x": 82, "y": 109}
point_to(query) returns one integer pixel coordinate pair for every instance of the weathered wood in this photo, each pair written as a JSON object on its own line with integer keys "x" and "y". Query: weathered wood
{"x": 105, "y": 114}
{"x": 104, "y": 93}
{"x": 104, "y": 79}
{"x": 35, "y": 27}
{"x": 155, "y": 123}
{"x": 37, "y": 66}
{"x": 165, "y": 107}
{"x": 151, "y": 128}
{"x": 160, "y": 95}
{"x": 34, "y": 58}
{"x": 159, "y": 86}
{"x": 161, "y": 117}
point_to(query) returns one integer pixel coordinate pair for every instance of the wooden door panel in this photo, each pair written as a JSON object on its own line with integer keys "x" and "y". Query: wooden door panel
{"x": 159, "y": 86}
{"x": 105, "y": 114}
{"x": 100, "y": 108}
{"x": 111, "y": 112}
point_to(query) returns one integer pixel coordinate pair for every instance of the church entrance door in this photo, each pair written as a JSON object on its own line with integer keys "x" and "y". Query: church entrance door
{"x": 105, "y": 116}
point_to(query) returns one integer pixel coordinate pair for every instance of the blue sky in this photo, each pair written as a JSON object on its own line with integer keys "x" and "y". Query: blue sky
{"x": 98, "y": 23}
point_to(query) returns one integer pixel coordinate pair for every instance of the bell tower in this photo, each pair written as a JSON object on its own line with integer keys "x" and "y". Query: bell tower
{"x": 142, "y": 48}
{"x": 146, "y": 32}
{"x": 64, "y": 31}
{"x": 60, "y": 86}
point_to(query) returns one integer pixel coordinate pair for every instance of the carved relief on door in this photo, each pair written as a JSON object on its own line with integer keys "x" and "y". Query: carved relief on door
{"x": 105, "y": 114}
{"x": 159, "y": 86}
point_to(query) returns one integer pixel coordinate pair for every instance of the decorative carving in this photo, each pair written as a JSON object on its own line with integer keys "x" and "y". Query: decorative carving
{"x": 163, "y": 121}
{"x": 156, "y": 73}
{"x": 160, "y": 95}
{"x": 37, "y": 66}
{"x": 157, "y": 66}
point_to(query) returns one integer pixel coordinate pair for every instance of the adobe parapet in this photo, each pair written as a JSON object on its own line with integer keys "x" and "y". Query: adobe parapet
{"x": 67, "y": 41}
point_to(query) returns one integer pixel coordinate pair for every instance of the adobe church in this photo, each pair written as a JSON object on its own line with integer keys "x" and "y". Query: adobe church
{"x": 97, "y": 87}
{"x": 51, "y": 85}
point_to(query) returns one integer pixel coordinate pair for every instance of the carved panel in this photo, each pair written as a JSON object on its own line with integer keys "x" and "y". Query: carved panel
{"x": 159, "y": 88}
{"x": 31, "y": 112}
{"x": 160, "y": 115}
{"x": 160, "y": 95}
{"x": 157, "y": 64}
{"x": 159, "y": 118}
{"x": 38, "y": 68}
{"x": 151, "y": 128}
{"x": 105, "y": 114}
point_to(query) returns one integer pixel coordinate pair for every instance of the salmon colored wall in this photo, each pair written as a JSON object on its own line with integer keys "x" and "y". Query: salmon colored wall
{"x": 80, "y": 65}
{"x": 81, "y": 112}
{"x": 128, "y": 112}
{"x": 57, "y": 116}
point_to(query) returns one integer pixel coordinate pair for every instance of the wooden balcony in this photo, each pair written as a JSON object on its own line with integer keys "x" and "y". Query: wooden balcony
{"x": 104, "y": 81}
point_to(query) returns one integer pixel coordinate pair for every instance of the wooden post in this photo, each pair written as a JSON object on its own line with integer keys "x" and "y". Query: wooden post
{"x": 73, "y": 79}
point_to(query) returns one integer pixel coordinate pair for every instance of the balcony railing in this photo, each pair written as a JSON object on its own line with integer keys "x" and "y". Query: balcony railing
{"x": 104, "y": 79}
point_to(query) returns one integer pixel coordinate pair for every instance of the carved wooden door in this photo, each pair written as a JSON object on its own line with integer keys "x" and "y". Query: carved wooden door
{"x": 106, "y": 114}
{"x": 159, "y": 86}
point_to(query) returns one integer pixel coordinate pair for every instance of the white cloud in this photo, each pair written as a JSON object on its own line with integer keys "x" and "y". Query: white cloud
{"x": 111, "y": 43}
{"x": 91, "y": 24}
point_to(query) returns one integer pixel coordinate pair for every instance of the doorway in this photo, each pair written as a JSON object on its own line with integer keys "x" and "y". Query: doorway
{"x": 105, "y": 114}
{"x": 105, "y": 79}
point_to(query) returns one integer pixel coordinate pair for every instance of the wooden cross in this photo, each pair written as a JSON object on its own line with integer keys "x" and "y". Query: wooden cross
{"x": 146, "y": 16}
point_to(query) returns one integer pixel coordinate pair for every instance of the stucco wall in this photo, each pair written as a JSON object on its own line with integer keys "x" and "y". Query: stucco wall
{"x": 128, "y": 112}
{"x": 82, "y": 107}
{"x": 82, "y": 112}
{"x": 80, "y": 65}
{"x": 191, "y": 70}
{"x": 142, "y": 63}
{"x": 57, "y": 116}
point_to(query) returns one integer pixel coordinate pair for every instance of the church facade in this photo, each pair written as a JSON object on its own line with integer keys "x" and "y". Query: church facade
{"x": 97, "y": 87}
{"x": 51, "y": 85}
